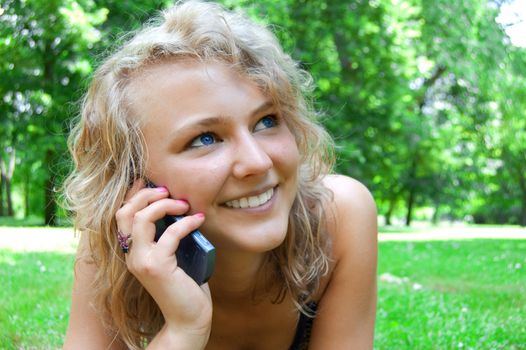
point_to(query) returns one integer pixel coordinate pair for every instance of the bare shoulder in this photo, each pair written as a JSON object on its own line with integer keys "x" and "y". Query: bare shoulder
{"x": 347, "y": 307}
{"x": 350, "y": 193}
{"x": 354, "y": 209}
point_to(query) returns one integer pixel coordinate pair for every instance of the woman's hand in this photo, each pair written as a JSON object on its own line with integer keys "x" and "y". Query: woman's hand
{"x": 186, "y": 307}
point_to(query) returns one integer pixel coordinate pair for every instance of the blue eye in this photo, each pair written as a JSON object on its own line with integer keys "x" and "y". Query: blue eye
{"x": 266, "y": 122}
{"x": 205, "y": 139}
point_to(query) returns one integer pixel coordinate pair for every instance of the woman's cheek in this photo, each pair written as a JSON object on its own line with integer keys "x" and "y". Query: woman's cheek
{"x": 199, "y": 183}
{"x": 289, "y": 155}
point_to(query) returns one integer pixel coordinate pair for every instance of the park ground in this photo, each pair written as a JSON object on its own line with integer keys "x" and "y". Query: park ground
{"x": 449, "y": 287}
{"x": 65, "y": 240}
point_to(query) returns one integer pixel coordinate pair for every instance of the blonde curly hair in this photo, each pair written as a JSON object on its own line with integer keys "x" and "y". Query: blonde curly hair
{"x": 109, "y": 153}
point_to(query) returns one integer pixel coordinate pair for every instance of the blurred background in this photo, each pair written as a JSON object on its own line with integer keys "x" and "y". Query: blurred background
{"x": 426, "y": 99}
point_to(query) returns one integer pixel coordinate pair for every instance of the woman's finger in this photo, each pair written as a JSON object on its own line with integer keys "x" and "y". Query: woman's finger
{"x": 173, "y": 234}
{"x": 136, "y": 199}
{"x": 143, "y": 221}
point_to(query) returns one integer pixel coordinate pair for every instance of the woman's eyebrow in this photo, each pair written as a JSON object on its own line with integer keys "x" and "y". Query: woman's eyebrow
{"x": 221, "y": 119}
{"x": 263, "y": 107}
{"x": 209, "y": 121}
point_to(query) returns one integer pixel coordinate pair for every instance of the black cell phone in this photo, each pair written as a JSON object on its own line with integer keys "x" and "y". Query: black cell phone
{"x": 195, "y": 254}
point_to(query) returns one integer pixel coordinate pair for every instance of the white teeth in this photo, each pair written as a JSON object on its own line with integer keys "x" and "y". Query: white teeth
{"x": 243, "y": 203}
{"x": 251, "y": 202}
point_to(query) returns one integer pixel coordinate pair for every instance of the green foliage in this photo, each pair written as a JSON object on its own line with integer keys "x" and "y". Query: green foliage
{"x": 44, "y": 54}
{"x": 425, "y": 98}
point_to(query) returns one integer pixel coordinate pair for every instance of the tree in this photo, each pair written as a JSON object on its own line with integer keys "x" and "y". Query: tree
{"x": 424, "y": 97}
{"x": 44, "y": 50}
{"x": 505, "y": 143}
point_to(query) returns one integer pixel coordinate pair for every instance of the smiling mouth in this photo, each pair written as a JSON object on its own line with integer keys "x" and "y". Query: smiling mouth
{"x": 251, "y": 202}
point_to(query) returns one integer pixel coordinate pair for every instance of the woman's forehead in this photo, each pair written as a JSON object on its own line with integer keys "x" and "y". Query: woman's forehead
{"x": 193, "y": 88}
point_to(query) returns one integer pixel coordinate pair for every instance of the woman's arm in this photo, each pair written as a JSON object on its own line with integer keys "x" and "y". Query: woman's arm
{"x": 347, "y": 308}
{"x": 186, "y": 307}
{"x": 85, "y": 329}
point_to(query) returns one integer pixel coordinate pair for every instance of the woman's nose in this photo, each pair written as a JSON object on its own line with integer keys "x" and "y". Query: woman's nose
{"x": 250, "y": 158}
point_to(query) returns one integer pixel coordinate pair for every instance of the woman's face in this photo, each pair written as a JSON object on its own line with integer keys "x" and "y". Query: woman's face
{"x": 214, "y": 139}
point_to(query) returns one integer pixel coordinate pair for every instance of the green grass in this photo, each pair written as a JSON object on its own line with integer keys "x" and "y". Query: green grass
{"x": 466, "y": 294}
{"x": 35, "y": 293}
{"x": 452, "y": 295}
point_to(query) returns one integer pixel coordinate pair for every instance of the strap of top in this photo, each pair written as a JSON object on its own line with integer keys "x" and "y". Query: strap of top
{"x": 303, "y": 330}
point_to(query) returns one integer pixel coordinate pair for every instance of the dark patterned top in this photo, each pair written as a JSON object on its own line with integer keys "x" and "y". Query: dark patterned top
{"x": 303, "y": 331}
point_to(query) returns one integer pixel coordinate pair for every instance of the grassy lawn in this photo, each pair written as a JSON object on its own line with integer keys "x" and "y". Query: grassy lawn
{"x": 34, "y": 298}
{"x": 453, "y": 294}
{"x": 468, "y": 294}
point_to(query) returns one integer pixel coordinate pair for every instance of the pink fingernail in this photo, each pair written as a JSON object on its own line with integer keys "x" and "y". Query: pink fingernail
{"x": 182, "y": 201}
{"x": 161, "y": 189}
{"x": 200, "y": 215}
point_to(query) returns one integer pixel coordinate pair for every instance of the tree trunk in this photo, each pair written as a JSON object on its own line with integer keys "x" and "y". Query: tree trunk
{"x": 410, "y": 203}
{"x": 412, "y": 190}
{"x": 522, "y": 185}
{"x": 26, "y": 196}
{"x": 9, "y": 199}
{"x": 523, "y": 211}
{"x": 50, "y": 206}
{"x": 4, "y": 187}
{"x": 49, "y": 188}
{"x": 8, "y": 178}
{"x": 390, "y": 211}
{"x": 2, "y": 208}
{"x": 388, "y": 217}
{"x": 436, "y": 213}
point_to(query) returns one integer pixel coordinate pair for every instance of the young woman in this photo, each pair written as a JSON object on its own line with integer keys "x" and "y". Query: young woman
{"x": 205, "y": 104}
